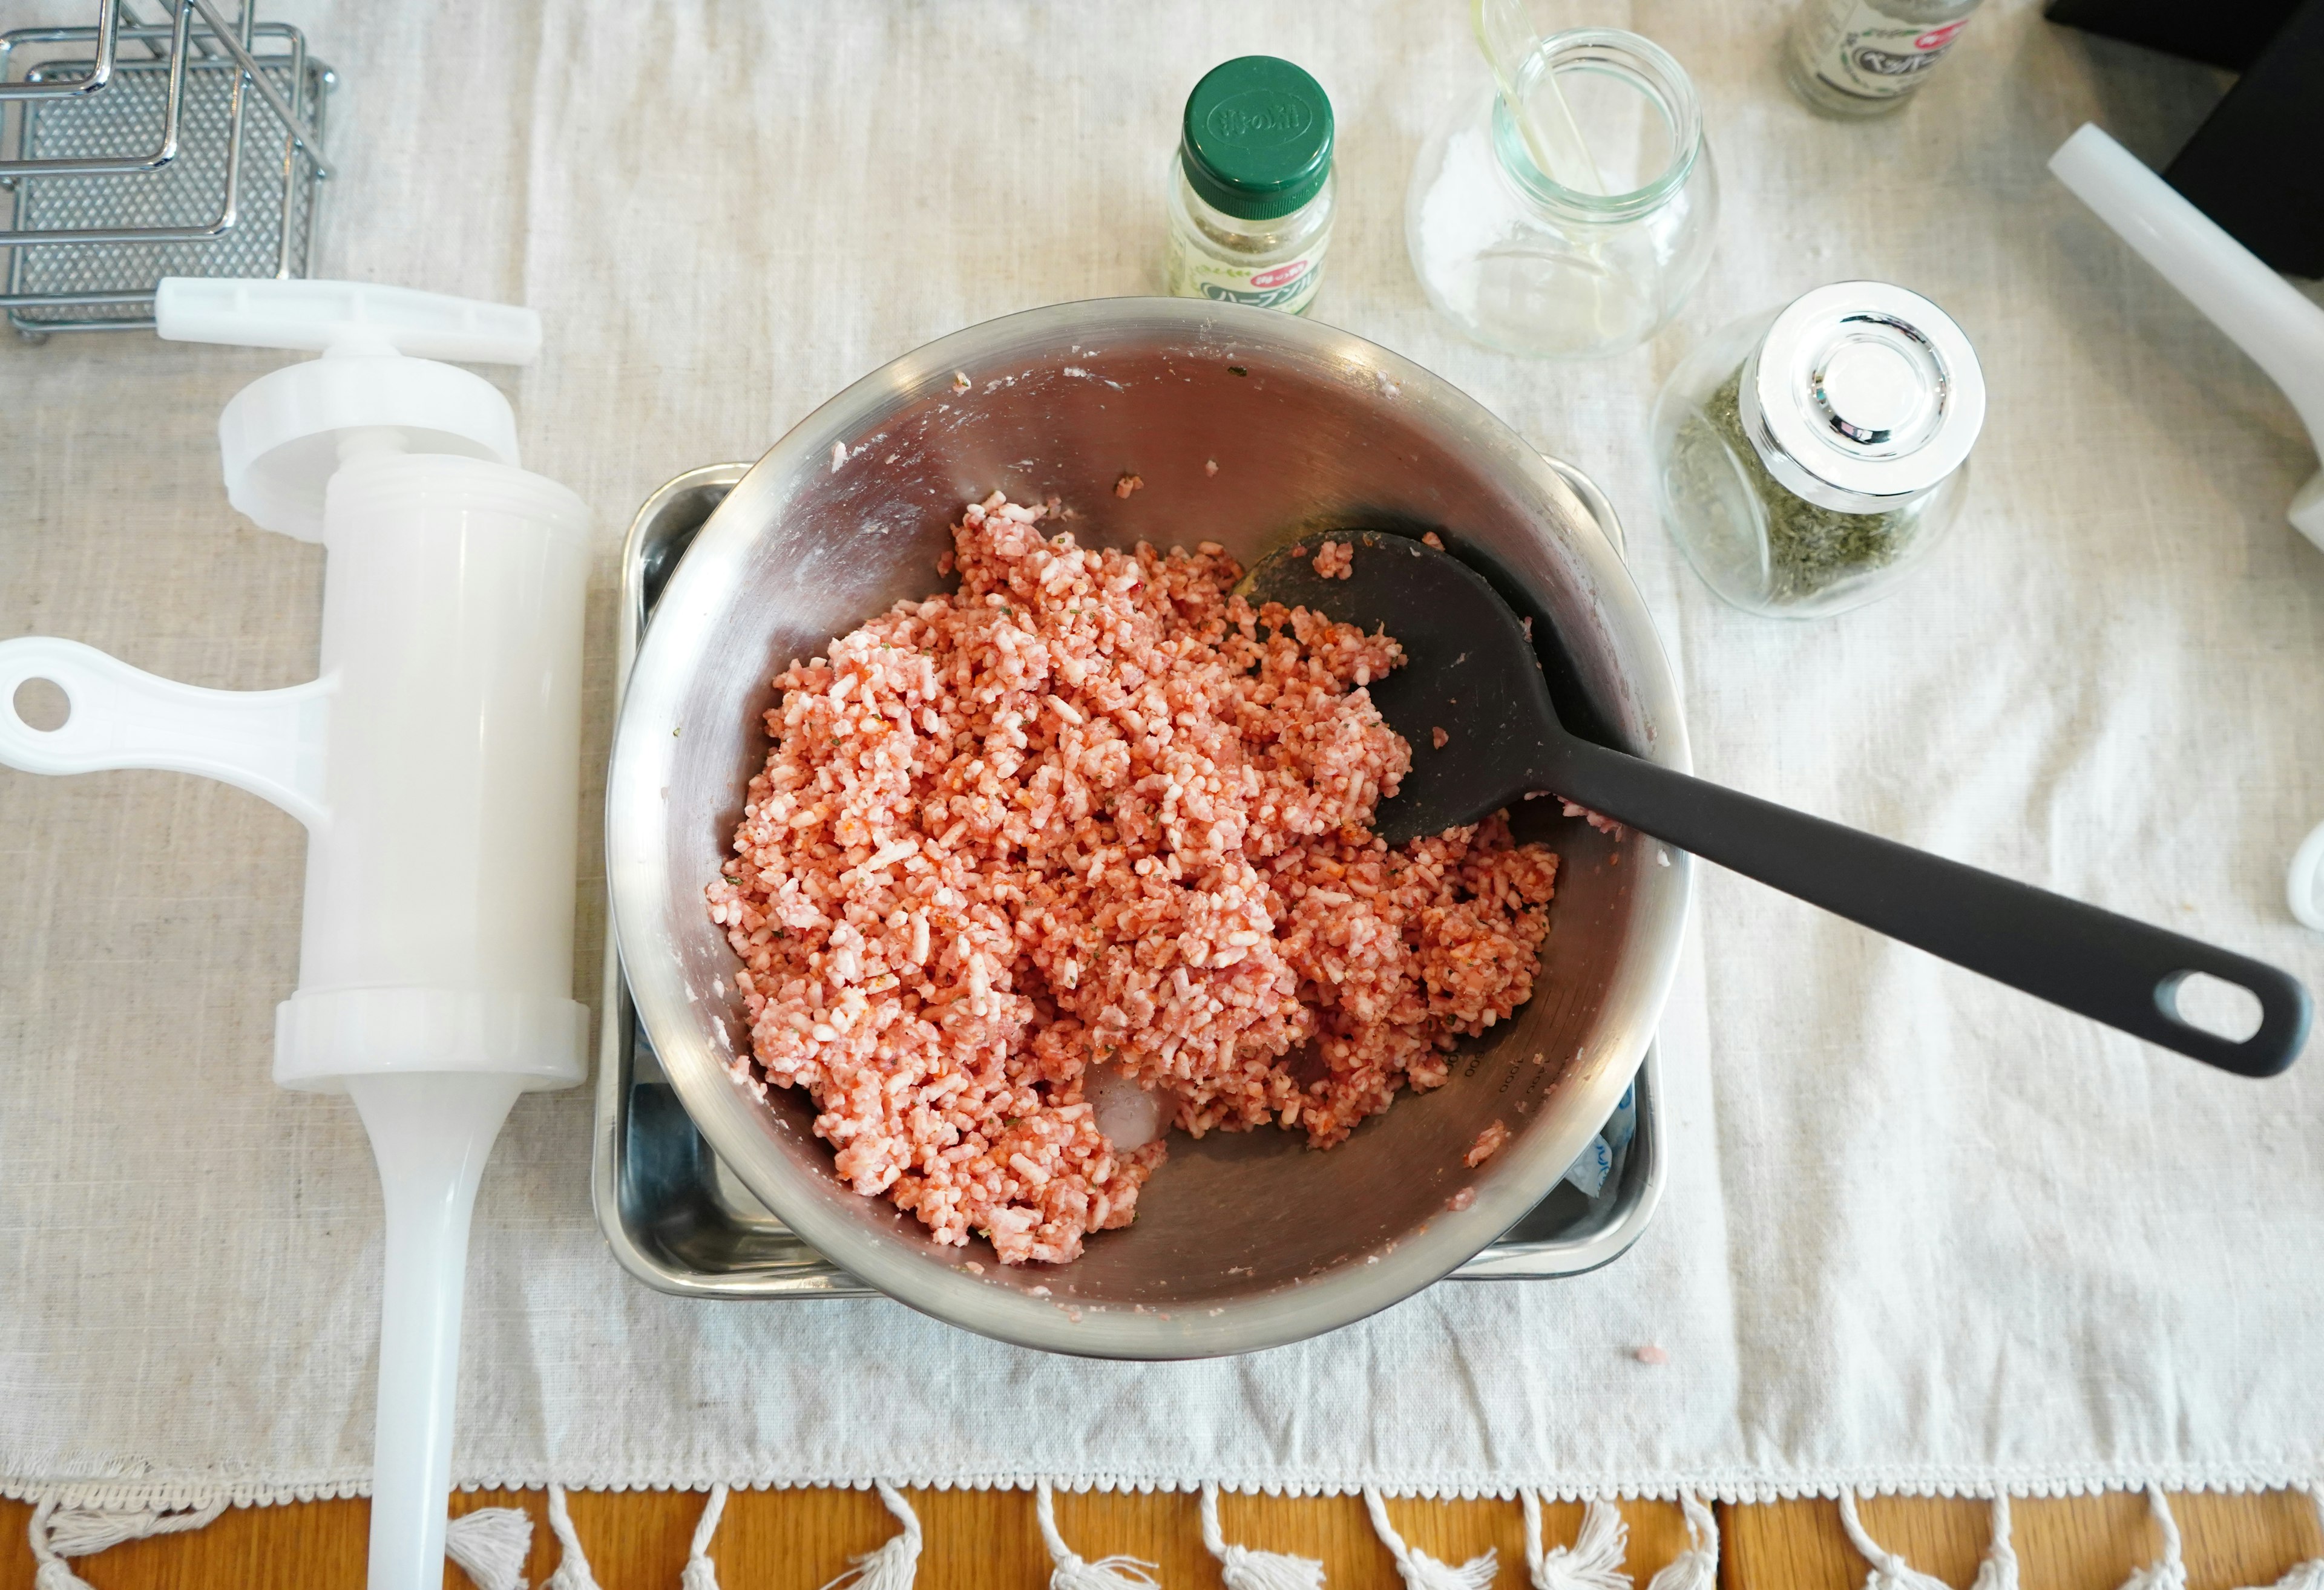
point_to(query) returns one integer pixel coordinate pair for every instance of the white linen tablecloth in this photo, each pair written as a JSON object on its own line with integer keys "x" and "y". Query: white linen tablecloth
{"x": 1921, "y": 1232}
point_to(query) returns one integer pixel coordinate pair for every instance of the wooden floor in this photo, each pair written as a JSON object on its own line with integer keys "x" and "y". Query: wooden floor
{"x": 987, "y": 1541}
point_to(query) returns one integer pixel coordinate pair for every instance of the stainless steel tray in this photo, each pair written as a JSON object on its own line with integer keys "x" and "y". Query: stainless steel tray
{"x": 678, "y": 1220}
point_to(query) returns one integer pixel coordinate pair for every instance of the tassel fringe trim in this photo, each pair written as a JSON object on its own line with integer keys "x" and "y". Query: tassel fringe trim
{"x": 1594, "y": 1560}
{"x": 1243, "y": 1568}
{"x": 56, "y": 1533}
{"x": 1070, "y": 1571}
{"x": 893, "y": 1564}
{"x": 1420, "y": 1571}
{"x": 1697, "y": 1567}
{"x": 492, "y": 1544}
{"x": 1999, "y": 1571}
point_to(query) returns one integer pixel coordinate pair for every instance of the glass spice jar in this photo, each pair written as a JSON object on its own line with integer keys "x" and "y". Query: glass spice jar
{"x": 1807, "y": 457}
{"x": 1250, "y": 186}
{"x": 1865, "y": 58}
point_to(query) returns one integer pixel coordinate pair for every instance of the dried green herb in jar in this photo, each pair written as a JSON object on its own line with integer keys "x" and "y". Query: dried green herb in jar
{"x": 1809, "y": 547}
{"x": 1808, "y": 457}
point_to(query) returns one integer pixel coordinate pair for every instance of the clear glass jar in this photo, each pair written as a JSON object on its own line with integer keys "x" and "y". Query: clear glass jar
{"x": 1531, "y": 266}
{"x": 1250, "y": 186}
{"x": 1807, "y": 457}
{"x": 1855, "y": 57}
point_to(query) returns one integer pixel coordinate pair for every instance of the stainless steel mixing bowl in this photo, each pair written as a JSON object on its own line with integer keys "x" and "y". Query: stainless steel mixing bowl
{"x": 1243, "y": 1240}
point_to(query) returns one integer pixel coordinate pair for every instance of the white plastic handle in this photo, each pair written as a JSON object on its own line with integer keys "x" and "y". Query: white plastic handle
{"x": 2261, "y": 313}
{"x": 2303, "y": 888}
{"x": 350, "y": 317}
{"x": 269, "y": 742}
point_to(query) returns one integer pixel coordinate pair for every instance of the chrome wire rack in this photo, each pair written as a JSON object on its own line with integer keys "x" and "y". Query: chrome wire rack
{"x": 133, "y": 149}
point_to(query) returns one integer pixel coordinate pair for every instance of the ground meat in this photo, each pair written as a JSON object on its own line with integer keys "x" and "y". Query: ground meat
{"x": 1602, "y": 824}
{"x": 1337, "y": 560}
{"x": 1093, "y": 808}
{"x": 1488, "y": 1144}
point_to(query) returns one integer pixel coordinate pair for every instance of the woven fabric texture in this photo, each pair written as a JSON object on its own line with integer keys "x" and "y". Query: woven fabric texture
{"x": 1921, "y": 1232}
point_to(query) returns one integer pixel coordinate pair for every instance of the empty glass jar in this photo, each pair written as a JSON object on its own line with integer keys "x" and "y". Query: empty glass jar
{"x": 1808, "y": 457}
{"x": 1531, "y": 266}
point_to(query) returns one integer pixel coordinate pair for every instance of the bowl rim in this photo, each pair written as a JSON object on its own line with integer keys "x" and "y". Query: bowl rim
{"x": 731, "y": 1120}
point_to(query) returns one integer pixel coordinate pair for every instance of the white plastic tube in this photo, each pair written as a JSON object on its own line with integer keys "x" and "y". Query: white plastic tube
{"x": 436, "y": 961}
{"x": 431, "y": 1133}
{"x": 2261, "y": 312}
{"x": 439, "y": 927}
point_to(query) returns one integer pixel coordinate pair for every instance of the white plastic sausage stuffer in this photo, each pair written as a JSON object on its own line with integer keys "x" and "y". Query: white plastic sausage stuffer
{"x": 434, "y": 761}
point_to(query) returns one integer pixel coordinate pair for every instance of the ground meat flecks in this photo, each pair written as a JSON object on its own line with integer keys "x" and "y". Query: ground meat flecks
{"x": 1488, "y": 1144}
{"x": 1093, "y": 809}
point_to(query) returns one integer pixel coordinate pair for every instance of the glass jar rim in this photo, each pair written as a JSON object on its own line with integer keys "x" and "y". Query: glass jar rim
{"x": 1654, "y": 72}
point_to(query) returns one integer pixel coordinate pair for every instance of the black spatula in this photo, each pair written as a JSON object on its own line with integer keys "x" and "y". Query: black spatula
{"x": 1472, "y": 673}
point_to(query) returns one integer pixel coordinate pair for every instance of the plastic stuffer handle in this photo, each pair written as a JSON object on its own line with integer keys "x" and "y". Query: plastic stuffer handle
{"x": 321, "y": 315}
{"x": 380, "y": 385}
{"x": 270, "y": 742}
{"x": 2261, "y": 313}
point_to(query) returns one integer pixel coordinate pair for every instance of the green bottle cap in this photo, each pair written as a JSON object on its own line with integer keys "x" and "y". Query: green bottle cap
{"x": 1257, "y": 137}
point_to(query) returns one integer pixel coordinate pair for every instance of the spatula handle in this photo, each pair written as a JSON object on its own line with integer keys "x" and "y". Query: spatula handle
{"x": 2109, "y": 967}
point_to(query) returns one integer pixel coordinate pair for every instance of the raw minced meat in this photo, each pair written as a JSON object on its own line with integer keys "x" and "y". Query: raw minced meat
{"x": 1095, "y": 809}
{"x": 1488, "y": 1144}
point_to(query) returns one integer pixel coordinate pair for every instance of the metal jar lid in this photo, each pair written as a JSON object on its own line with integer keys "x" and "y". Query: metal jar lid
{"x": 1862, "y": 395}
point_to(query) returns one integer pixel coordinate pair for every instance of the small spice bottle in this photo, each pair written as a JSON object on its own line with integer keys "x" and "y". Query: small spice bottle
{"x": 1865, "y": 58}
{"x": 1806, "y": 457}
{"x": 1250, "y": 186}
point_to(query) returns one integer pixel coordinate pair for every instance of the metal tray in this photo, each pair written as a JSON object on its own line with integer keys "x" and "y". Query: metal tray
{"x": 681, "y": 1222}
